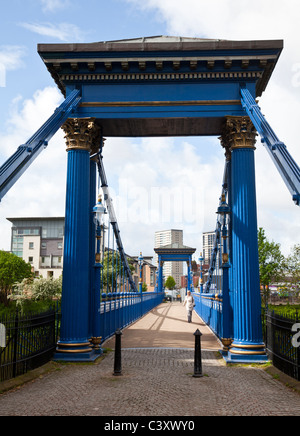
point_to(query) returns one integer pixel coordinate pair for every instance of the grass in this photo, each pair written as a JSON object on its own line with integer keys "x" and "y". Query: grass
{"x": 28, "y": 307}
{"x": 250, "y": 365}
{"x": 286, "y": 310}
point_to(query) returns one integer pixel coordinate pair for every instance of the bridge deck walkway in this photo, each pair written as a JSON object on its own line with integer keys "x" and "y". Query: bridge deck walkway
{"x": 166, "y": 326}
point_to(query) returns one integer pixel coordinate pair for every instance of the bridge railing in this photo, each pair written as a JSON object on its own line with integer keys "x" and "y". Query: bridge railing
{"x": 119, "y": 310}
{"x": 212, "y": 305}
{"x": 119, "y": 301}
{"x": 209, "y": 308}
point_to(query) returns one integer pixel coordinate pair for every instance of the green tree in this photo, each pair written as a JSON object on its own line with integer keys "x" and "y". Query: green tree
{"x": 170, "y": 283}
{"x": 112, "y": 272}
{"x": 12, "y": 269}
{"x": 271, "y": 263}
{"x": 293, "y": 270}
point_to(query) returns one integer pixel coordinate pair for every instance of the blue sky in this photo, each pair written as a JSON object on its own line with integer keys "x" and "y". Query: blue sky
{"x": 25, "y": 23}
{"x": 137, "y": 169}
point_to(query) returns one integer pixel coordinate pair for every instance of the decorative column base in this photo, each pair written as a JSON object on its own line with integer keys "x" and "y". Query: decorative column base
{"x": 75, "y": 352}
{"x": 96, "y": 341}
{"x": 242, "y": 353}
{"x": 226, "y": 344}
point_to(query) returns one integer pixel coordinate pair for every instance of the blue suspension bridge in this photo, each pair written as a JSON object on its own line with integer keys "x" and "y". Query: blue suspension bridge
{"x": 158, "y": 86}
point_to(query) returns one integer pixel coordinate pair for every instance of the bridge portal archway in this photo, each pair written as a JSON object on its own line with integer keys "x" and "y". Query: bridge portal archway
{"x": 174, "y": 253}
{"x": 163, "y": 86}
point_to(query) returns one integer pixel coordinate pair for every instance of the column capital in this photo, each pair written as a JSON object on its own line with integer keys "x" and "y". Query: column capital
{"x": 238, "y": 132}
{"x": 82, "y": 134}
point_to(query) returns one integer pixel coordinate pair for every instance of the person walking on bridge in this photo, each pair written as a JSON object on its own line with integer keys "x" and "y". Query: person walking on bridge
{"x": 189, "y": 303}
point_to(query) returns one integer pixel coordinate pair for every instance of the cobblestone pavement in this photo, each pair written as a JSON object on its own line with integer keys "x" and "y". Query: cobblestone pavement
{"x": 155, "y": 382}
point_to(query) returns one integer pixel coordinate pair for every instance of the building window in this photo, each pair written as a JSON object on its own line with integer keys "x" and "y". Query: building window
{"x": 31, "y": 245}
{"x": 59, "y": 245}
{"x": 44, "y": 245}
{"x": 152, "y": 278}
{"x": 18, "y": 253}
{"x": 30, "y": 259}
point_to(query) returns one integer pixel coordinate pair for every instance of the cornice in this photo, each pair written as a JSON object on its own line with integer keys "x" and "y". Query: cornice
{"x": 169, "y": 59}
{"x": 160, "y": 76}
{"x": 148, "y": 44}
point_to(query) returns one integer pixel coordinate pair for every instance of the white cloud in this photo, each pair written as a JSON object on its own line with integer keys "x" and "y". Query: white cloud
{"x": 25, "y": 117}
{"x": 162, "y": 183}
{"x": 54, "y": 5}
{"x": 65, "y": 32}
{"x": 10, "y": 59}
{"x": 223, "y": 19}
{"x": 41, "y": 189}
{"x": 11, "y": 56}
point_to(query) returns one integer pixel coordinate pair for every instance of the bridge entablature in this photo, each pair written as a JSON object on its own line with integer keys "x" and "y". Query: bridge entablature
{"x": 178, "y": 86}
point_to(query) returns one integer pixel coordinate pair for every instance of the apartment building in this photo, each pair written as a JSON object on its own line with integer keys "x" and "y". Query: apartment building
{"x": 148, "y": 272}
{"x": 39, "y": 241}
{"x": 167, "y": 237}
{"x": 208, "y": 245}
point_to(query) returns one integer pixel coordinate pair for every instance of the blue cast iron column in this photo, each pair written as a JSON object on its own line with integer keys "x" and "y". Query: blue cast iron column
{"x": 74, "y": 344}
{"x": 239, "y": 136}
{"x": 160, "y": 275}
{"x": 92, "y": 240}
{"x": 189, "y": 274}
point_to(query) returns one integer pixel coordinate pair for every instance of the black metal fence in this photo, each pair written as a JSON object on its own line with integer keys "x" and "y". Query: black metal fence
{"x": 28, "y": 341}
{"x": 282, "y": 348}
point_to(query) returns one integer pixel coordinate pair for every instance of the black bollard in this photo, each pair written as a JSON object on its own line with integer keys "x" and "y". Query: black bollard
{"x": 198, "y": 359}
{"x": 118, "y": 357}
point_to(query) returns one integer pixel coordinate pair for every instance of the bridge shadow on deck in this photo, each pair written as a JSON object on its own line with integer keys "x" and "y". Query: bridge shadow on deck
{"x": 166, "y": 326}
